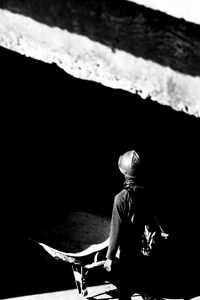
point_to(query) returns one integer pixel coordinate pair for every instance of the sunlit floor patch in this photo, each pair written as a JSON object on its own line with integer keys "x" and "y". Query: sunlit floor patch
{"x": 105, "y": 291}
{"x": 100, "y": 292}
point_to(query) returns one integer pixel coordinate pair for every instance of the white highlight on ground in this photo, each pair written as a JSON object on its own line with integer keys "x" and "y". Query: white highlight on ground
{"x": 100, "y": 292}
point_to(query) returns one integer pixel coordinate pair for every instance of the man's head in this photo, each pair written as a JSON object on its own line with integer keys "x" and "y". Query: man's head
{"x": 128, "y": 163}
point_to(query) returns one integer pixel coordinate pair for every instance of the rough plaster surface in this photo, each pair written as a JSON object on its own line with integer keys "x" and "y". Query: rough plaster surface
{"x": 85, "y": 58}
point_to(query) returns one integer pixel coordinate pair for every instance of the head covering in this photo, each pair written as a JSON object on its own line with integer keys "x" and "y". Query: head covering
{"x": 128, "y": 163}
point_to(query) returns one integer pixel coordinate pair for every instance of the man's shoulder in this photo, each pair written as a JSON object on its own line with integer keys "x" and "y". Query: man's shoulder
{"x": 119, "y": 198}
{"x": 138, "y": 192}
{"x": 121, "y": 194}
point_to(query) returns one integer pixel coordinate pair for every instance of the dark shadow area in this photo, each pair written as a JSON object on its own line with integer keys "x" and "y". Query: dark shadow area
{"x": 60, "y": 142}
{"x": 123, "y": 25}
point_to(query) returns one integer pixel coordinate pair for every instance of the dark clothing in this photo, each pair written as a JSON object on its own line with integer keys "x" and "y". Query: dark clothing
{"x": 127, "y": 222}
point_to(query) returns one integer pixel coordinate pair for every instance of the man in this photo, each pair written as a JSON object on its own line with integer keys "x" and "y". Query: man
{"x": 128, "y": 215}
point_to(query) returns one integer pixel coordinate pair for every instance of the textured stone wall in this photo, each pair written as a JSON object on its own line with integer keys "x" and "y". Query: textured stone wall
{"x": 119, "y": 44}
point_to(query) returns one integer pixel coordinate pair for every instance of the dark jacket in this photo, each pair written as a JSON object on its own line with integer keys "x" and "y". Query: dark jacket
{"x": 128, "y": 215}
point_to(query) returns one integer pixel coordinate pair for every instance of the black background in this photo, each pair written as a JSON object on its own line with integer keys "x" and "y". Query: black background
{"x": 60, "y": 141}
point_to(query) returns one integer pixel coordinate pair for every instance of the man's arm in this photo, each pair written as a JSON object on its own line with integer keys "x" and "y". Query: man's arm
{"x": 115, "y": 230}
